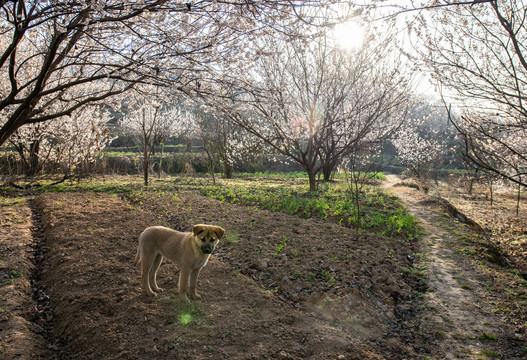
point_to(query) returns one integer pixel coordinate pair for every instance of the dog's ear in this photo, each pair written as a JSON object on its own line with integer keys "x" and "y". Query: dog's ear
{"x": 196, "y": 229}
{"x": 220, "y": 232}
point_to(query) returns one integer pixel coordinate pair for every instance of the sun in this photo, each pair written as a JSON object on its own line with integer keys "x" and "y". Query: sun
{"x": 348, "y": 35}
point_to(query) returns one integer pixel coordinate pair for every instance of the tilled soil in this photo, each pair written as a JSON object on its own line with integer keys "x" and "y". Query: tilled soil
{"x": 20, "y": 336}
{"x": 277, "y": 287}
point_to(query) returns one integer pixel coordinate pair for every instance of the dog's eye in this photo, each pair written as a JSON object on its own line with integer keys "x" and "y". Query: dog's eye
{"x": 203, "y": 239}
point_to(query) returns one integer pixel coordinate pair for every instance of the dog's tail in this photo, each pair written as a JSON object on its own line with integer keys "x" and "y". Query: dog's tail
{"x": 137, "y": 258}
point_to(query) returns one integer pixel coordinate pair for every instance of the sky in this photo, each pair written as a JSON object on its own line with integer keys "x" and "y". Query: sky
{"x": 350, "y": 35}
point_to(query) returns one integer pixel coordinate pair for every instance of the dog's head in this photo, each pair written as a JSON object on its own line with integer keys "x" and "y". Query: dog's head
{"x": 207, "y": 237}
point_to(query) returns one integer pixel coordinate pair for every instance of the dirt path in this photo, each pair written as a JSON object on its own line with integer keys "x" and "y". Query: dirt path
{"x": 460, "y": 311}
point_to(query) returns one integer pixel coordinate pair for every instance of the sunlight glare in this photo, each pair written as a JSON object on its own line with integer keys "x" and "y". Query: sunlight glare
{"x": 349, "y": 35}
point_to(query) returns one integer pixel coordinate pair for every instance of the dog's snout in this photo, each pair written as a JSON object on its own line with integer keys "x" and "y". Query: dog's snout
{"x": 206, "y": 249}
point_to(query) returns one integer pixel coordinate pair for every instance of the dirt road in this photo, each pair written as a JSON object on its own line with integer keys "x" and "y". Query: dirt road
{"x": 459, "y": 305}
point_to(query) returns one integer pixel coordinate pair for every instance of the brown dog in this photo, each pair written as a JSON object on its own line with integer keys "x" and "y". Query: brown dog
{"x": 190, "y": 251}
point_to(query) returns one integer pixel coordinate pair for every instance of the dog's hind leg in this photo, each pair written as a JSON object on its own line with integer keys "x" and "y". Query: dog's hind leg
{"x": 147, "y": 261}
{"x": 153, "y": 272}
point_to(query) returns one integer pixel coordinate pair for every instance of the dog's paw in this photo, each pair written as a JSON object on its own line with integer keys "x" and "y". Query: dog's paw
{"x": 184, "y": 299}
{"x": 195, "y": 296}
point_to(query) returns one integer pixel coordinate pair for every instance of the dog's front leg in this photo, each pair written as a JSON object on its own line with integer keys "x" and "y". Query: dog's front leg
{"x": 183, "y": 285}
{"x": 193, "y": 283}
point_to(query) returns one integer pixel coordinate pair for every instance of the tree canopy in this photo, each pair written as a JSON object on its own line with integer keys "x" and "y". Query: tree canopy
{"x": 58, "y": 57}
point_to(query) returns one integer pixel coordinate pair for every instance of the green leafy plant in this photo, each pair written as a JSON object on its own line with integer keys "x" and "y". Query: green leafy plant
{"x": 280, "y": 247}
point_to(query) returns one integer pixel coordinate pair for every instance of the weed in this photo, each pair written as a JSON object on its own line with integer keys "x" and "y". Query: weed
{"x": 467, "y": 251}
{"x": 489, "y": 353}
{"x": 327, "y": 300}
{"x": 280, "y": 247}
{"x": 331, "y": 281}
{"x": 297, "y": 274}
{"x": 414, "y": 271}
{"x": 486, "y": 337}
{"x": 441, "y": 333}
{"x": 16, "y": 273}
{"x": 272, "y": 291}
{"x": 459, "y": 337}
{"x": 353, "y": 319}
{"x": 310, "y": 277}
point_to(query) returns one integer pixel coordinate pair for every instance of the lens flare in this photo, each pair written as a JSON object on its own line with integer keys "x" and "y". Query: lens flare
{"x": 185, "y": 318}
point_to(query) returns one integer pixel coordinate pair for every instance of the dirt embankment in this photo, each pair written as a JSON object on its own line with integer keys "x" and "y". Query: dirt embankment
{"x": 278, "y": 287}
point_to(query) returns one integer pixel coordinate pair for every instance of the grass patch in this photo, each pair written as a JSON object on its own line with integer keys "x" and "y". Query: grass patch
{"x": 285, "y": 192}
{"x": 489, "y": 353}
{"x": 109, "y": 187}
{"x": 380, "y": 212}
{"x": 16, "y": 273}
{"x": 488, "y": 337}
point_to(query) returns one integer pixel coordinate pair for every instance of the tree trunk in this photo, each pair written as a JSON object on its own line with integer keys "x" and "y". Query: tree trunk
{"x": 518, "y": 200}
{"x": 145, "y": 164}
{"x": 211, "y": 167}
{"x": 312, "y": 180}
{"x": 356, "y": 196}
{"x": 34, "y": 158}
{"x": 491, "y": 193}
{"x": 327, "y": 170}
{"x": 161, "y": 161}
{"x": 472, "y": 180}
{"x": 227, "y": 171}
